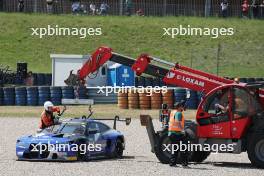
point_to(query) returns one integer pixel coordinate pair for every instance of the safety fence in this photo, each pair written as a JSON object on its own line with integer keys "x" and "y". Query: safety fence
{"x": 140, "y": 7}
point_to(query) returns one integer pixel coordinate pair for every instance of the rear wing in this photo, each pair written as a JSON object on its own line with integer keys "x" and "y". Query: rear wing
{"x": 115, "y": 119}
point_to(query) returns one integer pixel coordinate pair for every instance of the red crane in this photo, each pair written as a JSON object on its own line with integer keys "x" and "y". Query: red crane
{"x": 240, "y": 123}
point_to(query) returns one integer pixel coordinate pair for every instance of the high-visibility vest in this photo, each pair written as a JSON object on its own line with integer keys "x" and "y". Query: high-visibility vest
{"x": 174, "y": 124}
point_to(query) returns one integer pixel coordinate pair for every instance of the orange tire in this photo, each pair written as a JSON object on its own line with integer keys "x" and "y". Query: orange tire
{"x": 120, "y": 94}
{"x": 144, "y": 98}
{"x": 155, "y": 94}
{"x": 144, "y": 103}
{"x": 155, "y": 98}
{"x": 167, "y": 98}
{"x": 132, "y": 94}
{"x": 133, "y": 98}
{"x": 133, "y": 107}
{"x": 144, "y": 107}
{"x": 169, "y": 93}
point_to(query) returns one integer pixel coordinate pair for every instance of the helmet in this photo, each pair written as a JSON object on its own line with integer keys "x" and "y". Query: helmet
{"x": 48, "y": 104}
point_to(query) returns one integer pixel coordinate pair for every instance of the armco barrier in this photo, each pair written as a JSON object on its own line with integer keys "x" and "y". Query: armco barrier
{"x": 101, "y": 98}
{"x": 21, "y": 96}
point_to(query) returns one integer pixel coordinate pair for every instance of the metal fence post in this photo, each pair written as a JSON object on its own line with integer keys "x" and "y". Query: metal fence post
{"x": 121, "y": 7}
{"x": 207, "y": 8}
{"x": 164, "y": 7}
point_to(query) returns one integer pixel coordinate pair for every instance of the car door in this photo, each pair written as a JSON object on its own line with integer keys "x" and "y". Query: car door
{"x": 96, "y": 138}
{"x": 215, "y": 122}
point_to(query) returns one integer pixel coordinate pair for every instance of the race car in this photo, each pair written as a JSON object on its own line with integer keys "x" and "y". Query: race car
{"x": 79, "y": 139}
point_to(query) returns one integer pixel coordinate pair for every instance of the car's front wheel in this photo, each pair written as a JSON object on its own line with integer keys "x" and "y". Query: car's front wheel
{"x": 119, "y": 149}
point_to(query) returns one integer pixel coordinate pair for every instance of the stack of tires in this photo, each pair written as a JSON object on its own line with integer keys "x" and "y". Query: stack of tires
{"x": 144, "y": 100}
{"x": 55, "y": 95}
{"x": 67, "y": 92}
{"x": 1, "y": 96}
{"x": 156, "y": 100}
{"x": 141, "y": 81}
{"x": 9, "y": 95}
{"x": 133, "y": 99}
{"x": 32, "y": 96}
{"x": 156, "y": 82}
{"x": 21, "y": 96}
{"x": 243, "y": 80}
{"x": 179, "y": 94}
{"x": 40, "y": 79}
{"x": 192, "y": 102}
{"x": 81, "y": 92}
{"x": 148, "y": 82}
{"x": 44, "y": 94}
{"x": 122, "y": 100}
{"x": 251, "y": 80}
{"x": 167, "y": 98}
{"x": 48, "y": 79}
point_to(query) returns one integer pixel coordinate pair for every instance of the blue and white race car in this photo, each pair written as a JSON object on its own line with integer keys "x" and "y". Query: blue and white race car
{"x": 79, "y": 139}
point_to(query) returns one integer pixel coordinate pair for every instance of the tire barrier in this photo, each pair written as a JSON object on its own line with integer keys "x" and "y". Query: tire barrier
{"x": 40, "y": 79}
{"x": 1, "y": 96}
{"x": 43, "y": 94}
{"x": 48, "y": 79}
{"x": 21, "y": 96}
{"x": 192, "y": 102}
{"x": 32, "y": 96}
{"x": 133, "y": 100}
{"x": 141, "y": 81}
{"x": 100, "y": 97}
{"x": 9, "y": 96}
{"x": 81, "y": 92}
{"x": 251, "y": 80}
{"x": 55, "y": 95}
{"x": 144, "y": 101}
{"x": 19, "y": 80}
{"x": 155, "y": 100}
{"x": 122, "y": 100}
{"x": 168, "y": 98}
{"x": 67, "y": 92}
{"x": 179, "y": 94}
{"x": 148, "y": 82}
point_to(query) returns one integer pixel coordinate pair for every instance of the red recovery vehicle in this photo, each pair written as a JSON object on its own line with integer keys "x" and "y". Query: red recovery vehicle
{"x": 240, "y": 122}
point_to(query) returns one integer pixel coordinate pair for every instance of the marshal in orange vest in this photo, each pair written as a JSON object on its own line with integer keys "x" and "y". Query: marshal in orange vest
{"x": 174, "y": 124}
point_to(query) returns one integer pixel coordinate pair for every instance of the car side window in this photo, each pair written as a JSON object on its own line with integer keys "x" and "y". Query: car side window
{"x": 102, "y": 127}
{"x": 93, "y": 126}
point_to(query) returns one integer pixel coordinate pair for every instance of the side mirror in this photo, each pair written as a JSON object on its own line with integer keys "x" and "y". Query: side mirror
{"x": 128, "y": 121}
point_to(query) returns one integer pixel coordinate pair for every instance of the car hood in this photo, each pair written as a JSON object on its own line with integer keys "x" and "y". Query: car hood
{"x": 49, "y": 138}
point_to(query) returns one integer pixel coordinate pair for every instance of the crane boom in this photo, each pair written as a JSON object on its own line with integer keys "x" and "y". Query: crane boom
{"x": 177, "y": 75}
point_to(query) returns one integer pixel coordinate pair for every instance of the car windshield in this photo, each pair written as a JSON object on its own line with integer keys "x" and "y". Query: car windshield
{"x": 73, "y": 128}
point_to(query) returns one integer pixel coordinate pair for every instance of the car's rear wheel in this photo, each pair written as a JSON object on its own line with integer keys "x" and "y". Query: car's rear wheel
{"x": 119, "y": 149}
